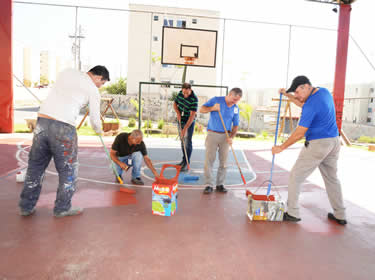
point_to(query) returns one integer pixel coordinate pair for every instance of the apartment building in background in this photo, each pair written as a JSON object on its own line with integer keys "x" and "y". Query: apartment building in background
{"x": 44, "y": 66}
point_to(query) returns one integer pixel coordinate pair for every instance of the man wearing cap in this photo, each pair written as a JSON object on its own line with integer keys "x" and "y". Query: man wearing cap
{"x": 216, "y": 139}
{"x": 185, "y": 106}
{"x": 321, "y": 149}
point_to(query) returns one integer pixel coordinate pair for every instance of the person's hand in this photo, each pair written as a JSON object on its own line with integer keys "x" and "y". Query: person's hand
{"x": 276, "y": 150}
{"x": 183, "y": 133}
{"x": 283, "y": 92}
{"x": 124, "y": 166}
{"x": 229, "y": 141}
{"x": 216, "y": 107}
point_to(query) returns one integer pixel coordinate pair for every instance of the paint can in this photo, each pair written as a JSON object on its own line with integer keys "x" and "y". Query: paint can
{"x": 20, "y": 176}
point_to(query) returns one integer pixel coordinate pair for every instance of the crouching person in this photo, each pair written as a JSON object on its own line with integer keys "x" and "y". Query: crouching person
{"x": 127, "y": 151}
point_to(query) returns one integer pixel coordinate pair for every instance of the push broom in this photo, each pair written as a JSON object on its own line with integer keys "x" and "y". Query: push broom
{"x": 123, "y": 188}
{"x": 234, "y": 155}
{"x": 185, "y": 177}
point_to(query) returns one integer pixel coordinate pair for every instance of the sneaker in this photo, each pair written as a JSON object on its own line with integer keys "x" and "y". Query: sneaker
{"x": 183, "y": 168}
{"x": 290, "y": 218}
{"x": 333, "y": 218}
{"x": 221, "y": 188}
{"x": 70, "y": 212}
{"x": 137, "y": 181}
{"x": 208, "y": 190}
{"x": 118, "y": 180}
{"x": 27, "y": 213}
{"x": 181, "y": 162}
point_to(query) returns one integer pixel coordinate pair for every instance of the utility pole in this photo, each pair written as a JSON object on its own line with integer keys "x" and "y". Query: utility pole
{"x": 76, "y": 48}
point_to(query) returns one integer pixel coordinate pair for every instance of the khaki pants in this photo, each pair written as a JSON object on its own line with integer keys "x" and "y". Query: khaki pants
{"x": 321, "y": 153}
{"x": 215, "y": 142}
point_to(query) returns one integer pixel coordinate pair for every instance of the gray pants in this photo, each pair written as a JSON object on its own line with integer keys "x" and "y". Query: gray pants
{"x": 215, "y": 142}
{"x": 321, "y": 153}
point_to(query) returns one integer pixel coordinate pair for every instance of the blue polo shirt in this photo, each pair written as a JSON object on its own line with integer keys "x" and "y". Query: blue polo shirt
{"x": 318, "y": 115}
{"x": 231, "y": 115}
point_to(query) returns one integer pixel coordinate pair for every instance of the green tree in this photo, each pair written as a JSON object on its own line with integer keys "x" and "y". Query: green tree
{"x": 245, "y": 112}
{"x": 118, "y": 87}
{"x": 135, "y": 103}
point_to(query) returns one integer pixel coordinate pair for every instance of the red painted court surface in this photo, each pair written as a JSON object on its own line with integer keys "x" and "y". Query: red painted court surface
{"x": 209, "y": 237}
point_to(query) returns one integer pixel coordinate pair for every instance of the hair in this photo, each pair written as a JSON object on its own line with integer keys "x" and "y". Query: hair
{"x": 236, "y": 91}
{"x": 136, "y": 133}
{"x": 186, "y": 86}
{"x": 100, "y": 70}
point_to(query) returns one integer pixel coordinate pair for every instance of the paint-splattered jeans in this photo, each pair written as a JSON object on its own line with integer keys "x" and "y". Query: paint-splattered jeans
{"x": 58, "y": 140}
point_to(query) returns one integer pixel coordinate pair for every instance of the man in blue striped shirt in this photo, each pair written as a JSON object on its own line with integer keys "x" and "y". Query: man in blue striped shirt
{"x": 216, "y": 139}
{"x": 186, "y": 105}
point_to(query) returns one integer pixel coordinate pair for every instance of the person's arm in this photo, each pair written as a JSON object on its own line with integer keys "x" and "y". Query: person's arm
{"x": 94, "y": 108}
{"x": 114, "y": 157}
{"x": 178, "y": 113}
{"x": 232, "y": 134}
{"x": 297, "y": 135}
{"x": 291, "y": 97}
{"x": 188, "y": 123}
{"x": 206, "y": 109}
{"x": 149, "y": 165}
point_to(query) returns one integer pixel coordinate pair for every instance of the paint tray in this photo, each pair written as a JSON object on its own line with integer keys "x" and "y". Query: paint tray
{"x": 264, "y": 208}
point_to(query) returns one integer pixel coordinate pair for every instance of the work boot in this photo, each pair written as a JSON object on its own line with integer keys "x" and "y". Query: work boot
{"x": 27, "y": 213}
{"x": 208, "y": 190}
{"x": 137, "y": 181}
{"x": 221, "y": 188}
{"x": 339, "y": 221}
{"x": 290, "y": 218}
{"x": 70, "y": 212}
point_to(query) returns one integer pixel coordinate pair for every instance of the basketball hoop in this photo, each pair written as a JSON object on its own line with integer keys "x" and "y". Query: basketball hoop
{"x": 189, "y": 60}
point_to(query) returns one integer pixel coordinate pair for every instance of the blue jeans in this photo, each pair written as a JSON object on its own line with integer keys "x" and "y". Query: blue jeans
{"x": 58, "y": 140}
{"x": 188, "y": 141}
{"x": 136, "y": 163}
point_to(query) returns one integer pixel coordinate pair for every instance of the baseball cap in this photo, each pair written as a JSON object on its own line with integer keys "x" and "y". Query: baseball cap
{"x": 297, "y": 81}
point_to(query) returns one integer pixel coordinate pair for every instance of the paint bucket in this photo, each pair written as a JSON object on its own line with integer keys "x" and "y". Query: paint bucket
{"x": 20, "y": 176}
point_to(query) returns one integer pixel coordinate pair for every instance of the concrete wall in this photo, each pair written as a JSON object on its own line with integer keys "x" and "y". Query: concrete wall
{"x": 355, "y": 130}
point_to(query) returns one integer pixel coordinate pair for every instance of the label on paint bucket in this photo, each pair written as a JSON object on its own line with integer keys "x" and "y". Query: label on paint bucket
{"x": 20, "y": 176}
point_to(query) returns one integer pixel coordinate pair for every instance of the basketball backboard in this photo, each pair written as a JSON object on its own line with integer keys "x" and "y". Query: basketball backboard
{"x": 187, "y": 46}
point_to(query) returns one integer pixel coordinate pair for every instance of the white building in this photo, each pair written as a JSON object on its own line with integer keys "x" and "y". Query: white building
{"x": 145, "y": 42}
{"x": 44, "y": 65}
{"x": 359, "y": 105}
{"x": 27, "y": 67}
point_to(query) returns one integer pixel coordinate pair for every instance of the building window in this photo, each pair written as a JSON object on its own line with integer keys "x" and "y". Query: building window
{"x": 152, "y": 80}
{"x": 191, "y": 82}
{"x": 181, "y": 23}
{"x": 165, "y": 22}
{"x": 371, "y": 100}
{"x": 371, "y": 90}
{"x": 156, "y": 18}
{"x": 165, "y": 65}
{"x": 155, "y": 38}
{"x": 170, "y": 22}
{"x": 369, "y": 110}
{"x": 194, "y": 21}
{"x": 368, "y": 120}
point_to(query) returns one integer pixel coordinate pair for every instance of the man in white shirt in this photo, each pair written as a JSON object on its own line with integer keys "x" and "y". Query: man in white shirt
{"x": 55, "y": 136}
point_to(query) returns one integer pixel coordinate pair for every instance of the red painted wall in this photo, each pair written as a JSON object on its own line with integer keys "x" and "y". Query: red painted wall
{"x": 6, "y": 78}
{"x": 341, "y": 59}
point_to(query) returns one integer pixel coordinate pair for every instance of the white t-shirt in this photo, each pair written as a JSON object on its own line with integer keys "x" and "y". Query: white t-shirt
{"x": 73, "y": 90}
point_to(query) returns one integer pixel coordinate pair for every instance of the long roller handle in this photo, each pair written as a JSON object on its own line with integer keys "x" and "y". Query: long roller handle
{"x": 234, "y": 155}
{"x": 273, "y": 156}
{"x": 112, "y": 163}
{"x": 183, "y": 144}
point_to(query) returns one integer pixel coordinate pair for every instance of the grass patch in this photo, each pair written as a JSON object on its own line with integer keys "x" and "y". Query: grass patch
{"x": 21, "y": 128}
